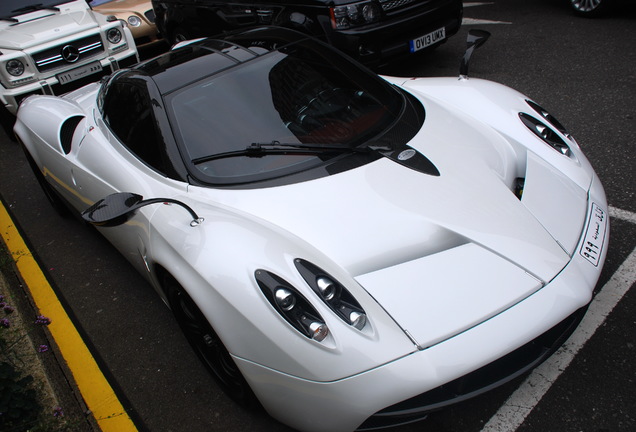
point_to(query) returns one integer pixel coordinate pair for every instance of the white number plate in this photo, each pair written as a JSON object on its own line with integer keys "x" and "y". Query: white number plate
{"x": 428, "y": 39}
{"x": 78, "y": 73}
{"x": 595, "y": 235}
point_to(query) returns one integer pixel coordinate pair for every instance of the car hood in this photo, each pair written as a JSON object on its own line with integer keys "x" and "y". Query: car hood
{"x": 439, "y": 253}
{"x": 122, "y": 6}
{"x": 48, "y": 27}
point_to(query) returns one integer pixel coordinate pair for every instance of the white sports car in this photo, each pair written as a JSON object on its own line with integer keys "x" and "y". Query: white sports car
{"x": 350, "y": 251}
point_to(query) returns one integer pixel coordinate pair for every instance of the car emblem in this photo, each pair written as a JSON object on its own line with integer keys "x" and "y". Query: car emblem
{"x": 406, "y": 154}
{"x": 70, "y": 53}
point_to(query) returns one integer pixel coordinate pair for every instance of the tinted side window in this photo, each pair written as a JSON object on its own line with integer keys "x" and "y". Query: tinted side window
{"x": 128, "y": 112}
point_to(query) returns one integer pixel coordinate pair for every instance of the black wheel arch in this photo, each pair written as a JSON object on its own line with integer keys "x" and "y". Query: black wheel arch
{"x": 238, "y": 388}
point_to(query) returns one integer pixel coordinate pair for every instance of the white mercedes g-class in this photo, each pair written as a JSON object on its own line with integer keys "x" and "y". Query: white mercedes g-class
{"x": 55, "y": 46}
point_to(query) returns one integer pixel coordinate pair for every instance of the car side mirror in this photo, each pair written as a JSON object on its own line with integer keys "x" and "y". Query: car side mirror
{"x": 118, "y": 208}
{"x": 475, "y": 39}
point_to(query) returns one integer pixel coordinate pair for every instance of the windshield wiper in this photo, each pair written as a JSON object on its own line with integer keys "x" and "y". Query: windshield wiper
{"x": 277, "y": 148}
{"x": 35, "y": 7}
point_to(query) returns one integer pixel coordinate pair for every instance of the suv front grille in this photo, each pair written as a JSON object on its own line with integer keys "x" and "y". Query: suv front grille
{"x": 388, "y": 5}
{"x": 68, "y": 53}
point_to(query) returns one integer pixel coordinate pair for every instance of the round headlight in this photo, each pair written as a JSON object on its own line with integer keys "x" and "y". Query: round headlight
{"x": 15, "y": 67}
{"x": 326, "y": 287}
{"x": 285, "y": 299}
{"x": 114, "y": 35}
{"x": 318, "y": 330}
{"x": 134, "y": 21}
{"x": 357, "y": 319}
{"x": 369, "y": 12}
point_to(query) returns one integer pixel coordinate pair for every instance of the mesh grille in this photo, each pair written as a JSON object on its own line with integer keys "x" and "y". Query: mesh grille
{"x": 388, "y": 5}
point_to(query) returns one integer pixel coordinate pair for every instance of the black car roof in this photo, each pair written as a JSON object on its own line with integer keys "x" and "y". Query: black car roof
{"x": 206, "y": 57}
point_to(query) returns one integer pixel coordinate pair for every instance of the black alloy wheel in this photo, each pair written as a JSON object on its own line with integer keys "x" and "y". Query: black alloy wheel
{"x": 589, "y": 8}
{"x": 208, "y": 345}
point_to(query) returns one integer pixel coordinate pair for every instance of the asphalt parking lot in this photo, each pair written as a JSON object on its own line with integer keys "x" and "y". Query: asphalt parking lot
{"x": 581, "y": 70}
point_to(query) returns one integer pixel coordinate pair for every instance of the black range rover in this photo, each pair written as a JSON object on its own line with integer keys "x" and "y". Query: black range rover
{"x": 371, "y": 31}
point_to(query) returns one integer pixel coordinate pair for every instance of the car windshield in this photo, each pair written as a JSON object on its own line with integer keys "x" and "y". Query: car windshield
{"x": 12, "y": 8}
{"x": 290, "y": 97}
{"x": 99, "y": 2}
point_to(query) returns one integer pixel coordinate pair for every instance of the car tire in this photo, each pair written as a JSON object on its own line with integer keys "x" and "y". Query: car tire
{"x": 208, "y": 346}
{"x": 54, "y": 199}
{"x": 589, "y": 8}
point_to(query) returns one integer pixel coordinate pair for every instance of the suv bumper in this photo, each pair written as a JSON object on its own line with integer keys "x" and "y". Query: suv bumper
{"x": 376, "y": 43}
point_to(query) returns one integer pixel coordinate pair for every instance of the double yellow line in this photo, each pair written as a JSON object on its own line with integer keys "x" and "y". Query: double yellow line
{"x": 98, "y": 395}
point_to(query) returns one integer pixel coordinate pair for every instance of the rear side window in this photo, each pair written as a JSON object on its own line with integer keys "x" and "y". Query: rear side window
{"x": 128, "y": 111}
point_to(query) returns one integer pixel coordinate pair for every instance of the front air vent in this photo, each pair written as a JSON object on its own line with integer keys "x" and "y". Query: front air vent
{"x": 67, "y": 131}
{"x": 518, "y": 187}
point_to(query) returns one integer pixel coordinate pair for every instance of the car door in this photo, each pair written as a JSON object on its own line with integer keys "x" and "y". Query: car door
{"x": 123, "y": 151}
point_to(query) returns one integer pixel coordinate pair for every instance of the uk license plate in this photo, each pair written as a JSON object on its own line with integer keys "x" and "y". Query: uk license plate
{"x": 595, "y": 235}
{"x": 428, "y": 39}
{"x": 78, "y": 73}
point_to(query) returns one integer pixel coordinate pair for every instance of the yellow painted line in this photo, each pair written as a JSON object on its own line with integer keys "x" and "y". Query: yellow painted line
{"x": 95, "y": 389}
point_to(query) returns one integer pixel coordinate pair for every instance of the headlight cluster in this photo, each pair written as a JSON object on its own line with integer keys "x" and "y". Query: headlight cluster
{"x": 544, "y": 131}
{"x": 354, "y": 14}
{"x": 292, "y": 305}
{"x": 333, "y": 294}
{"x": 298, "y": 311}
{"x": 549, "y": 117}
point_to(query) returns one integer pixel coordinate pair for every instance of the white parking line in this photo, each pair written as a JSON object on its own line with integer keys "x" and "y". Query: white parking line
{"x": 473, "y": 4}
{"x": 622, "y": 214}
{"x": 477, "y": 21}
{"x": 519, "y": 405}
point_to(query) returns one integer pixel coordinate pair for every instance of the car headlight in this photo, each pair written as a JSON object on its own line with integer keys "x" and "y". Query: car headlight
{"x": 549, "y": 117}
{"x": 546, "y": 134}
{"x": 134, "y": 21}
{"x": 15, "y": 67}
{"x": 354, "y": 14}
{"x": 292, "y": 305}
{"x": 114, "y": 35}
{"x": 333, "y": 294}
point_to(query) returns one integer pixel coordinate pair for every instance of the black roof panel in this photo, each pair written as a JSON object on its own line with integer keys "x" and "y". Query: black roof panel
{"x": 202, "y": 58}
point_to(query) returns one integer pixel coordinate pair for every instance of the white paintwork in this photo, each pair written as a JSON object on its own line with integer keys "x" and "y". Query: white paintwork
{"x": 453, "y": 271}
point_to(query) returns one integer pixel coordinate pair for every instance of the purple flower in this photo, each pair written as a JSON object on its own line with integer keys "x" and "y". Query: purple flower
{"x": 5, "y": 323}
{"x": 43, "y": 348}
{"x": 42, "y": 320}
{"x": 8, "y": 309}
{"x": 57, "y": 412}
